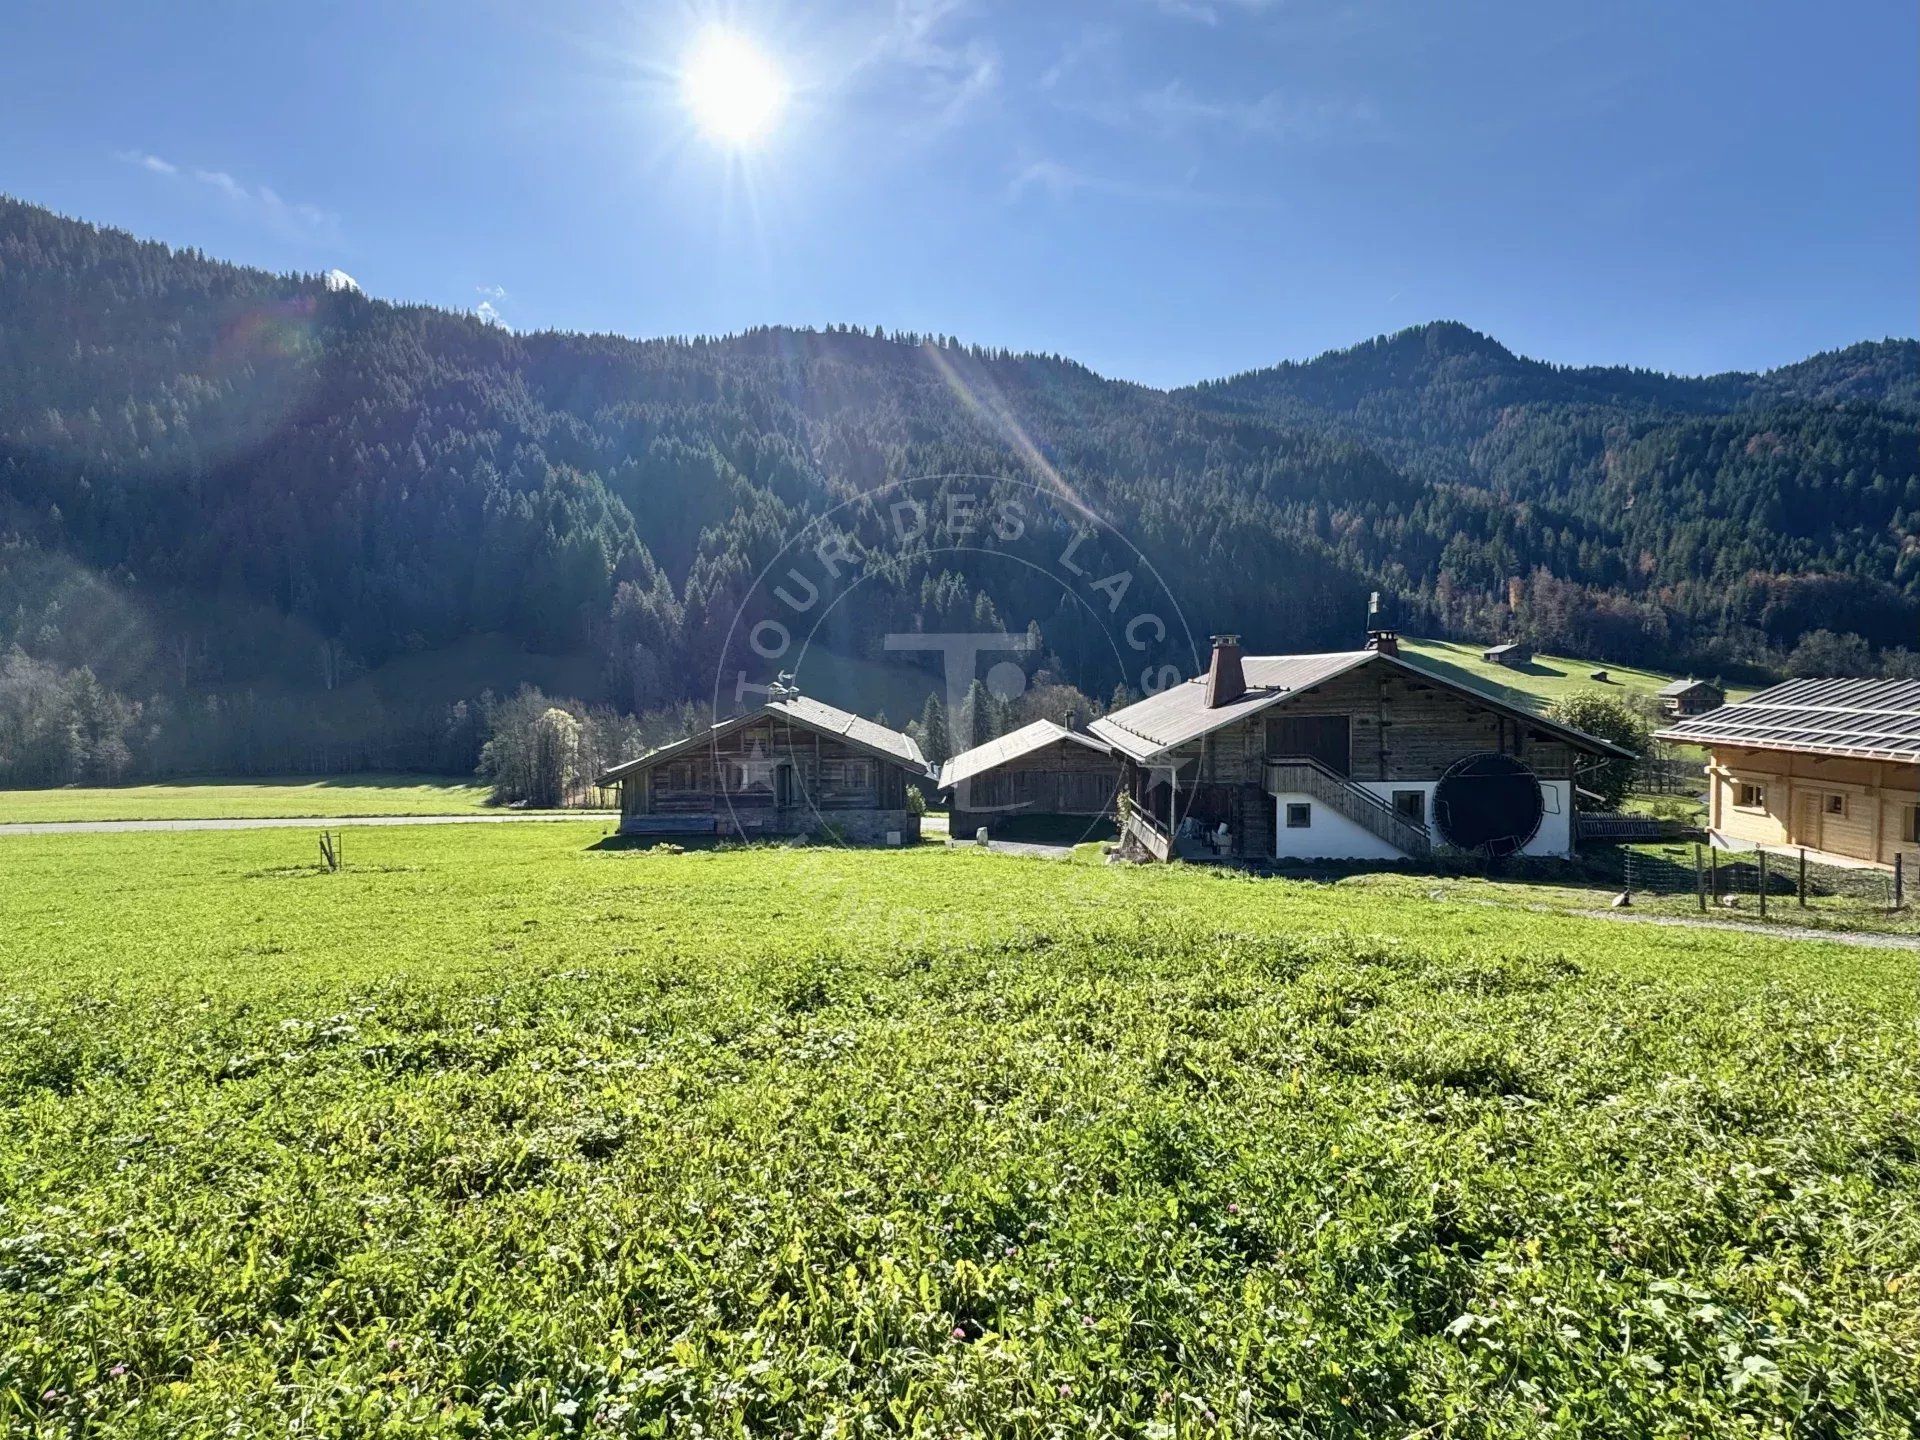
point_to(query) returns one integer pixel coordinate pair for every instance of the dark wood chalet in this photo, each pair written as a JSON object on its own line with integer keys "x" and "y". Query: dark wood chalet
{"x": 1353, "y": 755}
{"x": 1690, "y": 697}
{"x": 792, "y": 767}
{"x": 1040, "y": 770}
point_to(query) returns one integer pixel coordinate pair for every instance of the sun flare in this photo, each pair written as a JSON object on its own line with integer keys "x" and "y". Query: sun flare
{"x": 733, "y": 91}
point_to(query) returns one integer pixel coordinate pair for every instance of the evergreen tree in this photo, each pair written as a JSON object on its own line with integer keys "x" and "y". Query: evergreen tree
{"x": 937, "y": 745}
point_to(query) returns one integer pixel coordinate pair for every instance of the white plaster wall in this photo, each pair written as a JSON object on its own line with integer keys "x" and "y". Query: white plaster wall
{"x": 1334, "y": 837}
{"x": 1331, "y": 836}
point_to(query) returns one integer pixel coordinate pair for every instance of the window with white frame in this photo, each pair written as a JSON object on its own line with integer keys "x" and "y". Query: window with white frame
{"x": 1749, "y": 795}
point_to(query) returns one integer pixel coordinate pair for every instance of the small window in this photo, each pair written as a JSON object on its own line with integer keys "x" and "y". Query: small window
{"x": 1836, "y": 805}
{"x": 1412, "y": 805}
{"x": 1299, "y": 816}
{"x": 1748, "y": 796}
{"x": 1913, "y": 824}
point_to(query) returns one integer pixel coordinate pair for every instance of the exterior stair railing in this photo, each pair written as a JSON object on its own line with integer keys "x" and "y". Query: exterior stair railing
{"x": 1303, "y": 775}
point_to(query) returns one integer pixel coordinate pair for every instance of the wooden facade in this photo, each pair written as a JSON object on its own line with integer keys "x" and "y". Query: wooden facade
{"x": 1865, "y": 810}
{"x": 1511, "y": 654}
{"x": 770, "y": 775}
{"x": 1066, "y": 778}
{"x": 1373, "y": 742}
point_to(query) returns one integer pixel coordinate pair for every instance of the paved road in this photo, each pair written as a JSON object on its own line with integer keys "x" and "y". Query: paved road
{"x": 282, "y": 822}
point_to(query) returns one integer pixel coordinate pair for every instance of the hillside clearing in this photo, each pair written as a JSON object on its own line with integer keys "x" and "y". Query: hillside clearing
{"x": 495, "y": 1131}
{"x": 1542, "y": 681}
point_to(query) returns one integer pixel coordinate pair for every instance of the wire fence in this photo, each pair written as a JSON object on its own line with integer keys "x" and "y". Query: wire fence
{"x": 1772, "y": 882}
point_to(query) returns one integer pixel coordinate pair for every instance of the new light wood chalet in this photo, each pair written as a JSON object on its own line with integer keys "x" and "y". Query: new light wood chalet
{"x": 1355, "y": 755}
{"x": 1832, "y": 765}
{"x": 794, "y": 766}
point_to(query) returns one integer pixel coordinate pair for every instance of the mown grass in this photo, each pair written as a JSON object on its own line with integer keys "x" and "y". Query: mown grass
{"x": 326, "y": 797}
{"x": 495, "y": 1132}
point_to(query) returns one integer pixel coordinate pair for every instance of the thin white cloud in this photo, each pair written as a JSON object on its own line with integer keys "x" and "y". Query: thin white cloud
{"x": 917, "y": 44}
{"x": 295, "y": 219}
{"x": 147, "y": 162}
{"x": 1058, "y": 181}
{"x": 492, "y": 292}
{"x": 1206, "y": 12}
{"x": 1172, "y": 111}
{"x": 487, "y": 313}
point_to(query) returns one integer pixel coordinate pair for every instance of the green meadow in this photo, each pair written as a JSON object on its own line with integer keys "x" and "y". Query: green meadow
{"x": 499, "y": 1130}
{"x": 328, "y": 797}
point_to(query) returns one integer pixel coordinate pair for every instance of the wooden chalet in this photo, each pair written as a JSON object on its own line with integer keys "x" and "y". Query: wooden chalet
{"x": 792, "y": 767}
{"x": 1690, "y": 697}
{"x": 1829, "y": 765}
{"x": 1353, "y": 755}
{"x": 1040, "y": 770}
{"x": 1513, "y": 654}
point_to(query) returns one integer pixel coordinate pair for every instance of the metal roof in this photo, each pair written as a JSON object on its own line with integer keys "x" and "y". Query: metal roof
{"x": 1504, "y": 647}
{"x": 1681, "y": 687}
{"x": 1010, "y": 746}
{"x": 809, "y": 714}
{"x": 1858, "y": 719}
{"x": 1179, "y": 713}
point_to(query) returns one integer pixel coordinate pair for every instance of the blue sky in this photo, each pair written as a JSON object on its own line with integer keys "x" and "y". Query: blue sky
{"x": 1164, "y": 189}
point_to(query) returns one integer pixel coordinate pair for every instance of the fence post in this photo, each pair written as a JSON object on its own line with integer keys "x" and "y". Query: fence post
{"x": 1763, "y": 884}
{"x": 1699, "y": 879}
{"x": 1899, "y": 889}
{"x": 1803, "y": 877}
{"x": 1713, "y": 874}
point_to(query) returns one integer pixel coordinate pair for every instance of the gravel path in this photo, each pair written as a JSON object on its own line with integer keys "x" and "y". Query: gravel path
{"x": 281, "y": 822}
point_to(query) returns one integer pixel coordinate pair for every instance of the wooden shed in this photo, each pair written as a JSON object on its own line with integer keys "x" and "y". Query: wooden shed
{"x": 1512, "y": 654}
{"x": 792, "y": 767}
{"x": 1040, "y": 770}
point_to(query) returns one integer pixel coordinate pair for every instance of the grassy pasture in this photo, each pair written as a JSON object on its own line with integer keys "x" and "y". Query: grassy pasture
{"x": 1546, "y": 679}
{"x": 325, "y": 797}
{"x": 497, "y": 1132}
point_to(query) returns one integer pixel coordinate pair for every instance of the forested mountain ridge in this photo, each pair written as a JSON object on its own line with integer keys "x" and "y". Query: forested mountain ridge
{"x": 218, "y": 482}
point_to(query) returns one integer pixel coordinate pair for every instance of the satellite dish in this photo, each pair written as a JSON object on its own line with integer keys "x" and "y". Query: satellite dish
{"x": 1488, "y": 803}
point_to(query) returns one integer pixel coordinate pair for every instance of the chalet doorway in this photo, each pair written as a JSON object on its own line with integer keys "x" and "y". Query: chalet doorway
{"x": 783, "y": 787}
{"x": 1807, "y": 823}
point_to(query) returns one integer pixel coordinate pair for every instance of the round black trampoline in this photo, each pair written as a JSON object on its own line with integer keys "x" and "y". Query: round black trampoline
{"x": 1488, "y": 803}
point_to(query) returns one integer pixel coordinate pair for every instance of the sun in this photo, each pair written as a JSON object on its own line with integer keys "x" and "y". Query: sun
{"x": 732, "y": 90}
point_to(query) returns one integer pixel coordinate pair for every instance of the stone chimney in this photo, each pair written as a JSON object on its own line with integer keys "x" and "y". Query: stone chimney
{"x": 1380, "y": 635}
{"x": 1073, "y": 718}
{"x": 1226, "y": 681}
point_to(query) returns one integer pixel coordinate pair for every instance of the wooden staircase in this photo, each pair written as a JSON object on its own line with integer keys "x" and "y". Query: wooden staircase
{"x": 1301, "y": 775}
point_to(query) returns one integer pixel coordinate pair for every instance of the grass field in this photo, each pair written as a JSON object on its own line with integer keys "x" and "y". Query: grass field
{"x": 1539, "y": 684}
{"x": 497, "y": 1131}
{"x": 335, "y": 796}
